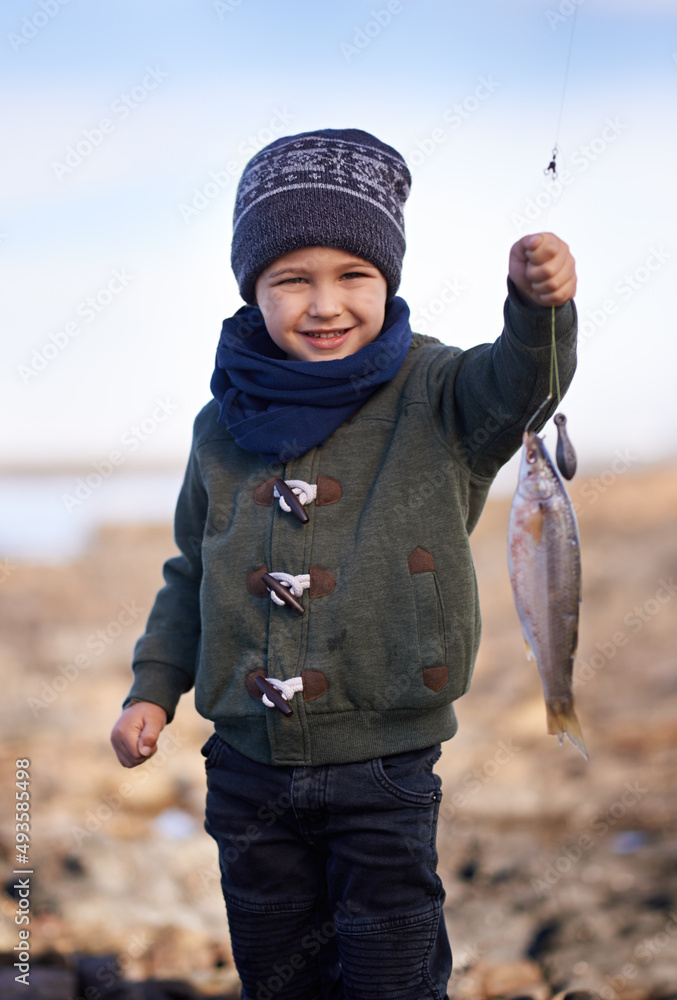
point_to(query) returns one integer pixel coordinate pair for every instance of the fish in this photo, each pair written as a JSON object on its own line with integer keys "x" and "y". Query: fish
{"x": 544, "y": 561}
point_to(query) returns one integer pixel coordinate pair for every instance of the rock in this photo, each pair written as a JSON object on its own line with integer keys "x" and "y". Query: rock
{"x": 576, "y": 995}
{"x": 508, "y": 978}
{"x": 91, "y": 976}
{"x": 507, "y": 981}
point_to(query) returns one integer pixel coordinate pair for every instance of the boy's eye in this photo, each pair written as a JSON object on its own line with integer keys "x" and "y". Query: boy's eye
{"x": 348, "y": 274}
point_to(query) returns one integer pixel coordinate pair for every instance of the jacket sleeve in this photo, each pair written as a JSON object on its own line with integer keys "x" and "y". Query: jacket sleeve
{"x": 165, "y": 657}
{"x": 484, "y": 396}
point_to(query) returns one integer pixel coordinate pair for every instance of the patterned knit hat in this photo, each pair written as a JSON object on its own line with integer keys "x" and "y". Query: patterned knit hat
{"x": 336, "y": 188}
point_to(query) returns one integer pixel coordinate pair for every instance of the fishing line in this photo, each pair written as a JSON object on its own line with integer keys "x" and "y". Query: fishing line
{"x": 554, "y": 367}
{"x": 565, "y": 454}
{"x": 552, "y": 166}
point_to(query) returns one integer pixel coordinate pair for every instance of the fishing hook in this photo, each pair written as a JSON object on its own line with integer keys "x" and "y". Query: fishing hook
{"x": 537, "y": 413}
{"x": 551, "y": 168}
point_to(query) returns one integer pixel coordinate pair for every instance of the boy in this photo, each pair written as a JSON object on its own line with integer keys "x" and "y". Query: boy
{"x": 329, "y": 707}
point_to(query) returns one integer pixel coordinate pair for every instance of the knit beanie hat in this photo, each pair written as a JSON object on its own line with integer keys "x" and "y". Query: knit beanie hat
{"x": 339, "y": 188}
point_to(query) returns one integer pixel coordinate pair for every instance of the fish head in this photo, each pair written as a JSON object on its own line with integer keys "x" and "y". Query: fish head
{"x": 537, "y": 477}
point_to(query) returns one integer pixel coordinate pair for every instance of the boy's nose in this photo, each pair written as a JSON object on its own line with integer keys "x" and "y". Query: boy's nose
{"x": 324, "y": 303}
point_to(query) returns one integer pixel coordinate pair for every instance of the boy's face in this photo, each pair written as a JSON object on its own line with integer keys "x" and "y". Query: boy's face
{"x": 320, "y": 303}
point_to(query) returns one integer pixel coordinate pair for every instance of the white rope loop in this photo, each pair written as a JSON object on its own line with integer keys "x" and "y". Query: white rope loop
{"x": 297, "y": 584}
{"x": 286, "y": 688}
{"x": 306, "y": 493}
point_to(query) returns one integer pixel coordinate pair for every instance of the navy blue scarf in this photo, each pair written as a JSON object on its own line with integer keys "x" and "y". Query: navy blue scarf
{"x": 281, "y": 409}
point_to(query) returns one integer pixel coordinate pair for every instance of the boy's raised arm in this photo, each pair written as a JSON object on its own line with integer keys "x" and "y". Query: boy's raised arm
{"x": 485, "y": 396}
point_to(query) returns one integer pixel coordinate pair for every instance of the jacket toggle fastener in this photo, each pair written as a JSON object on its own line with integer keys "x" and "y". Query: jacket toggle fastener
{"x": 293, "y": 495}
{"x": 286, "y": 589}
{"x": 276, "y": 694}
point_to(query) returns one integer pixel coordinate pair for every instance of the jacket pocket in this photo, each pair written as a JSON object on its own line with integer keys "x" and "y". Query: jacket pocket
{"x": 429, "y": 609}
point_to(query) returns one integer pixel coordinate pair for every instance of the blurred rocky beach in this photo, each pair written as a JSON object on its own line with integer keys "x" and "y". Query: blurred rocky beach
{"x": 561, "y": 875}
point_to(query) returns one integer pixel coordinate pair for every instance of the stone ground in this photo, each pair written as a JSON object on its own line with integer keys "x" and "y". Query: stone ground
{"x": 561, "y": 875}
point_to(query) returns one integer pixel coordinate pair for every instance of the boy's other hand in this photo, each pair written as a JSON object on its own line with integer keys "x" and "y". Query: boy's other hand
{"x": 135, "y": 734}
{"x": 543, "y": 269}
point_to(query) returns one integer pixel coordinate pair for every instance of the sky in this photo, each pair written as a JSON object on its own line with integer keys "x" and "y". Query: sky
{"x": 126, "y": 126}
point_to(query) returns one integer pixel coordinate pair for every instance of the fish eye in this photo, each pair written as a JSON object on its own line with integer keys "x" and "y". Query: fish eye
{"x": 531, "y": 456}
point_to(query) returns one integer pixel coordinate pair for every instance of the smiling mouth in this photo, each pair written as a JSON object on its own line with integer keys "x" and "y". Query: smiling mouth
{"x": 324, "y": 334}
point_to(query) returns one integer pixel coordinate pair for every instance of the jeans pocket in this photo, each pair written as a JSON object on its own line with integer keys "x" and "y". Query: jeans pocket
{"x": 410, "y": 776}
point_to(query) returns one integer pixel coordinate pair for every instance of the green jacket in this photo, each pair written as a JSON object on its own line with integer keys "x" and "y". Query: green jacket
{"x": 391, "y": 625}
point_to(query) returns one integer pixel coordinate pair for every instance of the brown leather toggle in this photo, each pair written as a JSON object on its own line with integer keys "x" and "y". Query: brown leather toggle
{"x": 273, "y": 694}
{"x": 297, "y": 508}
{"x": 284, "y": 593}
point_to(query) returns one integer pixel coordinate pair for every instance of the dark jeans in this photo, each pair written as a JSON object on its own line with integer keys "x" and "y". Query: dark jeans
{"x": 329, "y": 877}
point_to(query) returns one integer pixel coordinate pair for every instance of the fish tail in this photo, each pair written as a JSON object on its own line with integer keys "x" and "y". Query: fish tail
{"x": 562, "y": 719}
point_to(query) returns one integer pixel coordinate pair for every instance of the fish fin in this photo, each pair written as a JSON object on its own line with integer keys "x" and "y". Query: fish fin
{"x": 530, "y": 654}
{"x": 562, "y": 719}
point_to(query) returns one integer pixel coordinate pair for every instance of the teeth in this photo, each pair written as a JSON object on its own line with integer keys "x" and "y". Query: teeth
{"x": 326, "y": 336}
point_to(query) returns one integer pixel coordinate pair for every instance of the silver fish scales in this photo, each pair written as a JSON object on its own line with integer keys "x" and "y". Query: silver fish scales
{"x": 545, "y": 572}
